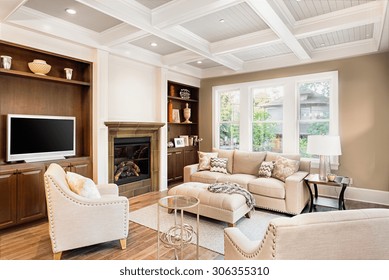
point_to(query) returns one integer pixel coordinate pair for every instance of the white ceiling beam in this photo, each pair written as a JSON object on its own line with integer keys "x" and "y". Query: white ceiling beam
{"x": 121, "y": 34}
{"x": 247, "y": 41}
{"x": 272, "y": 19}
{"x": 124, "y": 11}
{"x": 9, "y": 7}
{"x": 187, "y": 10}
{"x": 180, "y": 57}
{"x": 342, "y": 19}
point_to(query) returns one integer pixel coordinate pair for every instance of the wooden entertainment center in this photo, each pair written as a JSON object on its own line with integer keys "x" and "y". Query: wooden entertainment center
{"x": 22, "y": 195}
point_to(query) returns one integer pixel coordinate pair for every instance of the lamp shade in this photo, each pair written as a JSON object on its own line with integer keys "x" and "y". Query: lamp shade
{"x": 325, "y": 145}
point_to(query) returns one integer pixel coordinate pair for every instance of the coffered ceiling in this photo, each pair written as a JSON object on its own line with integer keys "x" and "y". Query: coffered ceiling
{"x": 207, "y": 38}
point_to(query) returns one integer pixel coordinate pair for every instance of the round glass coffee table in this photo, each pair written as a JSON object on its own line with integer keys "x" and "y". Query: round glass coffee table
{"x": 179, "y": 234}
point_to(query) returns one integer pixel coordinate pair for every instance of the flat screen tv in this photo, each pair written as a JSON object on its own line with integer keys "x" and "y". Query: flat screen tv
{"x": 37, "y": 138}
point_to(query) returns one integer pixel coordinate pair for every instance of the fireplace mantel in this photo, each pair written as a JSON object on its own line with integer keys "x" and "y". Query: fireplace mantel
{"x": 123, "y": 129}
{"x": 134, "y": 125}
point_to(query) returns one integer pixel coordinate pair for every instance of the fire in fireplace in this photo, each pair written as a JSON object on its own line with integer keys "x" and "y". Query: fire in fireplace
{"x": 131, "y": 159}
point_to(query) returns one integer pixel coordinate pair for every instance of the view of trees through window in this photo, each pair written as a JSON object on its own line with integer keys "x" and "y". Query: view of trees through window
{"x": 276, "y": 115}
{"x": 314, "y": 111}
{"x": 229, "y": 120}
{"x": 267, "y": 119}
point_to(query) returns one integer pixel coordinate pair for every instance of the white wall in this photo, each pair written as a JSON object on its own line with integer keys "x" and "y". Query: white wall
{"x": 132, "y": 91}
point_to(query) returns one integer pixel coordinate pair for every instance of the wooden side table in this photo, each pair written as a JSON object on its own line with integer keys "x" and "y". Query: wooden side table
{"x": 340, "y": 181}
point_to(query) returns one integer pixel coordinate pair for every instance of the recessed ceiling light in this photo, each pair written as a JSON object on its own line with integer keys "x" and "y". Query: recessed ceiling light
{"x": 199, "y": 62}
{"x": 153, "y": 44}
{"x": 222, "y": 20}
{"x": 71, "y": 11}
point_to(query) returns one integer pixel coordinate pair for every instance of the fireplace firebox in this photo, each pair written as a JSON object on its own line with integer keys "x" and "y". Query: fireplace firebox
{"x": 131, "y": 159}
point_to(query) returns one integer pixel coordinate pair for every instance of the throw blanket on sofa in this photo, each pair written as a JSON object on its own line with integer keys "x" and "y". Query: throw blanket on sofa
{"x": 233, "y": 188}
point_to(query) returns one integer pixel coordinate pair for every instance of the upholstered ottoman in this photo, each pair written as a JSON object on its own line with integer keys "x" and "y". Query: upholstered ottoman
{"x": 224, "y": 207}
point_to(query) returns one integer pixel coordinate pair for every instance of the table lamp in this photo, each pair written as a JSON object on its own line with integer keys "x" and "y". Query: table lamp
{"x": 324, "y": 146}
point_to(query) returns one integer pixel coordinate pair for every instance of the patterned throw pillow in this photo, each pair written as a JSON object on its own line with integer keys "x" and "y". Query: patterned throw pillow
{"x": 205, "y": 160}
{"x": 266, "y": 169}
{"x": 219, "y": 165}
{"x": 82, "y": 186}
{"x": 284, "y": 167}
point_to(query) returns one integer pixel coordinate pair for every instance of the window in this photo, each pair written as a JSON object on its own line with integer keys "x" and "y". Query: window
{"x": 276, "y": 115}
{"x": 229, "y": 119}
{"x": 267, "y": 119}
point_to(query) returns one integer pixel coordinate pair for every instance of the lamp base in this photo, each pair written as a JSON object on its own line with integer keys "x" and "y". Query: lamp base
{"x": 324, "y": 167}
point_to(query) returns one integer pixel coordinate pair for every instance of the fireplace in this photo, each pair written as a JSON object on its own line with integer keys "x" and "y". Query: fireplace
{"x": 131, "y": 159}
{"x": 134, "y": 156}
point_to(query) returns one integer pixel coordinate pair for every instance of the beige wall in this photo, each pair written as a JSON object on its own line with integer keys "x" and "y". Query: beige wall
{"x": 363, "y": 113}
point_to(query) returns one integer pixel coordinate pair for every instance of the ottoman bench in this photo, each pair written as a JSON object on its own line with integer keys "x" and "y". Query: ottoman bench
{"x": 224, "y": 207}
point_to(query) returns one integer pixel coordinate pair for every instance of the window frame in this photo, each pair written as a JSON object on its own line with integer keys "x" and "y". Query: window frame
{"x": 291, "y": 111}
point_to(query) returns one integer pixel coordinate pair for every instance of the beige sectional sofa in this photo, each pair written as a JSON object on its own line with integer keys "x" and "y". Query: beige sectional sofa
{"x": 288, "y": 196}
{"x": 333, "y": 235}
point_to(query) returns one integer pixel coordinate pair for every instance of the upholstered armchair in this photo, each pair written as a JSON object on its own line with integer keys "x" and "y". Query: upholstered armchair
{"x": 76, "y": 221}
{"x": 334, "y": 235}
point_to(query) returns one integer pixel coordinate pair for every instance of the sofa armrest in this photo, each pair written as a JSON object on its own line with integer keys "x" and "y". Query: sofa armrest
{"x": 189, "y": 170}
{"x": 296, "y": 194}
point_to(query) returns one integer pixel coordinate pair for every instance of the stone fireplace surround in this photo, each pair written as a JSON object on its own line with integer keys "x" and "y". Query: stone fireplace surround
{"x": 117, "y": 129}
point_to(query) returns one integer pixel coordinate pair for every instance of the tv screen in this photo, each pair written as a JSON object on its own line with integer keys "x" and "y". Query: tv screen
{"x": 35, "y": 138}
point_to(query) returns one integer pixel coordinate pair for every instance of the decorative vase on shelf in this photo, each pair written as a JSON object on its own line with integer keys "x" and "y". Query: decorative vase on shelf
{"x": 170, "y": 111}
{"x": 171, "y": 90}
{"x": 187, "y": 114}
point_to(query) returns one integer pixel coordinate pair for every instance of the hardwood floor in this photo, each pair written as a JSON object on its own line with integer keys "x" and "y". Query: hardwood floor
{"x": 32, "y": 242}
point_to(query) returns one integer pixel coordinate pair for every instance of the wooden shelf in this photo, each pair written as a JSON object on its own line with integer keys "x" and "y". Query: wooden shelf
{"x": 43, "y": 77}
{"x": 181, "y": 123}
{"x": 182, "y": 99}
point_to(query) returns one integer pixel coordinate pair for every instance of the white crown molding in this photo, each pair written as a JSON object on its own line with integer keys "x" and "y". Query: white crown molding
{"x": 9, "y": 7}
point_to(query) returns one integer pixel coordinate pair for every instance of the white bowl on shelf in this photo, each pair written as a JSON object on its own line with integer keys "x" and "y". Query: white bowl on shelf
{"x": 39, "y": 67}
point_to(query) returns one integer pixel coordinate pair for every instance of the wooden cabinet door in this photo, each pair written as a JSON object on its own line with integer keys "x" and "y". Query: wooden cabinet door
{"x": 31, "y": 194}
{"x": 171, "y": 163}
{"x": 82, "y": 167}
{"x": 7, "y": 199}
{"x": 190, "y": 156}
{"x": 179, "y": 167}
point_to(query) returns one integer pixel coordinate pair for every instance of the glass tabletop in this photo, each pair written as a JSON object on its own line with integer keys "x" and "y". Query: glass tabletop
{"x": 178, "y": 201}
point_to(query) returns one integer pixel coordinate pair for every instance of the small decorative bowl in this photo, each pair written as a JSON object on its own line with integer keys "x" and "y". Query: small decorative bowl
{"x": 331, "y": 177}
{"x": 185, "y": 94}
{"x": 39, "y": 67}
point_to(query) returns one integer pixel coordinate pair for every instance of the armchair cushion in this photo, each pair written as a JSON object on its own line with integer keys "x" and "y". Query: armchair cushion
{"x": 82, "y": 186}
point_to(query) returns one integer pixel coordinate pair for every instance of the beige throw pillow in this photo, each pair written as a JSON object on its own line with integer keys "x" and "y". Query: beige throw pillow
{"x": 82, "y": 186}
{"x": 284, "y": 167}
{"x": 205, "y": 160}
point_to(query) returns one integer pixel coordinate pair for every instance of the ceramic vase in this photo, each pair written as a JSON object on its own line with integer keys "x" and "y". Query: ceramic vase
{"x": 187, "y": 112}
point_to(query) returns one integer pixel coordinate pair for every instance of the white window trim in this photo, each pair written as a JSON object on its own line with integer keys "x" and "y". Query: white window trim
{"x": 290, "y": 124}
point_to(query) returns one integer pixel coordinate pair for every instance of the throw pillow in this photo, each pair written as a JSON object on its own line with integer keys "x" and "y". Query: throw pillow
{"x": 205, "y": 160}
{"x": 219, "y": 165}
{"x": 266, "y": 169}
{"x": 82, "y": 186}
{"x": 284, "y": 167}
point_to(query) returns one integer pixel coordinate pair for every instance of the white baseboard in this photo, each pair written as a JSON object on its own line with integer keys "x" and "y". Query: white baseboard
{"x": 358, "y": 194}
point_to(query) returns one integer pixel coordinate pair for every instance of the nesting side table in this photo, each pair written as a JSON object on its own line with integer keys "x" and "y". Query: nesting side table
{"x": 179, "y": 234}
{"x": 340, "y": 181}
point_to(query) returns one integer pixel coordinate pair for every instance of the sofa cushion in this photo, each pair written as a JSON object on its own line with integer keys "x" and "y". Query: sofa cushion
{"x": 206, "y": 176}
{"x": 240, "y": 179}
{"x": 247, "y": 162}
{"x": 205, "y": 160}
{"x": 219, "y": 165}
{"x": 226, "y": 154}
{"x": 269, "y": 187}
{"x": 284, "y": 167}
{"x": 266, "y": 169}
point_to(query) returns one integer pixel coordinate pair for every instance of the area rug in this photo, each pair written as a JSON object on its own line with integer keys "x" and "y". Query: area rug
{"x": 211, "y": 231}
